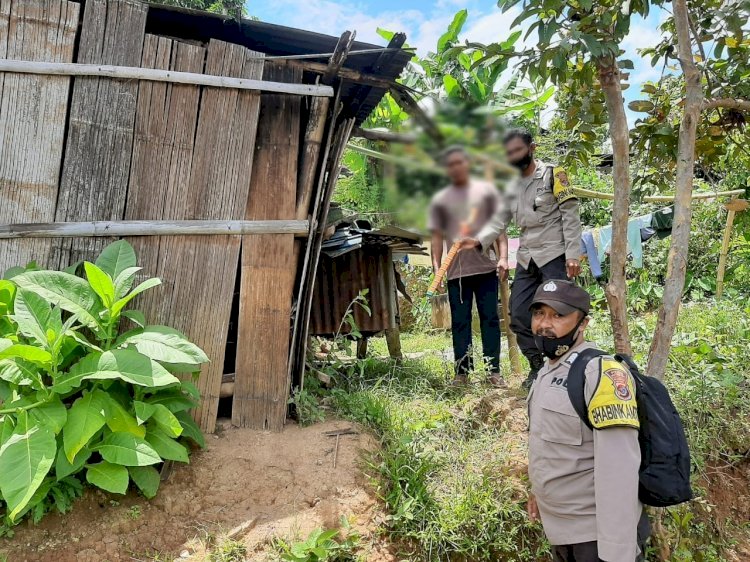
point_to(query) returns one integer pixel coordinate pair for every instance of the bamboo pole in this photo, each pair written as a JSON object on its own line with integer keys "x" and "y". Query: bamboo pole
{"x": 152, "y": 228}
{"x": 695, "y": 196}
{"x": 732, "y": 208}
{"x": 158, "y": 75}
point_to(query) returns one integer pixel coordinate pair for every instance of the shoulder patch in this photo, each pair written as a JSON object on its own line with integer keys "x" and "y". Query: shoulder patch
{"x": 613, "y": 403}
{"x": 561, "y": 187}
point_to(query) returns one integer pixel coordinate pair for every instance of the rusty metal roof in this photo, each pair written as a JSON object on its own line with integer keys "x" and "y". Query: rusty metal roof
{"x": 279, "y": 40}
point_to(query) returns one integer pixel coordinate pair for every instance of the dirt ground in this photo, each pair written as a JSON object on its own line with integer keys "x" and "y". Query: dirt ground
{"x": 272, "y": 485}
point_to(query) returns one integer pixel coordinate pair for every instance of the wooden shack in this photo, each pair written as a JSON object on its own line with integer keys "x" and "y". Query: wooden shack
{"x": 209, "y": 143}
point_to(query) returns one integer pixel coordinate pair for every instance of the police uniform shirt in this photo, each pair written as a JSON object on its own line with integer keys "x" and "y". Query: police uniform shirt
{"x": 546, "y": 210}
{"x": 586, "y": 482}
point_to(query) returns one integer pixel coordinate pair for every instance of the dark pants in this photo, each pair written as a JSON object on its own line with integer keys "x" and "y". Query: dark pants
{"x": 525, "y": 284}
{"x": 588, "y": 551}
{"x": 461, "y": 293}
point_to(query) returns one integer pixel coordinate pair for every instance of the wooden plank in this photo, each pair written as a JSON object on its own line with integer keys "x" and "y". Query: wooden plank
{"x": 32, "y": 119}
{"x": 262, "y": 384}
{"x": 157, "y": 75}
{"x": 727, "y": 239}
{"x": 100, "y": 133}
{"x": 153, "y": 228}
{"x": 204, "y": 180}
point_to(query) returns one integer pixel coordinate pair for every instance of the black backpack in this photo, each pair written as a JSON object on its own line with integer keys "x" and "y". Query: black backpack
{"x": 664, "y": 475}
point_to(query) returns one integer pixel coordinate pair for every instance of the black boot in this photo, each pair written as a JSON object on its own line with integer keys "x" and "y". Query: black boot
{"x": 536, "y": 362}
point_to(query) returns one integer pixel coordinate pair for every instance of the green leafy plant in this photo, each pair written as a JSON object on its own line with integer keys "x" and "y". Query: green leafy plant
{"x": 79, "y": 400}
{"x": 322, "y": 546}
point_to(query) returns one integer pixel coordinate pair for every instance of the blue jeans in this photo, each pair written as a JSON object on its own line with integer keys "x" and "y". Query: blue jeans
{"x": 461, "y": 294}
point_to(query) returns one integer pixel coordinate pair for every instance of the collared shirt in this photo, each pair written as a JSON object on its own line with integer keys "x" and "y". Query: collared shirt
{"x": 546, "y": 210}
{"x": 452, "y": 206}
{"x": 585, "y": 482}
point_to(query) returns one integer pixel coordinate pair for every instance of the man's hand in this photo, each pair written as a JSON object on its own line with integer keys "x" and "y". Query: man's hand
{"x": 532, "y": 509}
{"x": 468, "y": 243}
{"x": 573, "y": 267}
{"x": 502, "y": 268}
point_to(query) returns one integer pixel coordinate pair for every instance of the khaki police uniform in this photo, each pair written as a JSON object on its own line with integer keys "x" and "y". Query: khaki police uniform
{"x": 546, "y": 210}
{"x": 586, "y": 482}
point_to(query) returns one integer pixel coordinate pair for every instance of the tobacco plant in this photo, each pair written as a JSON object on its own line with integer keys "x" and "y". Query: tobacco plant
{"x": 78, "y": 399}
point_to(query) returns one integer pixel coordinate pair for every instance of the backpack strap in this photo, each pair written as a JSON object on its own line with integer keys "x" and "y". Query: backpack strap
{"x": 577, "y": 383}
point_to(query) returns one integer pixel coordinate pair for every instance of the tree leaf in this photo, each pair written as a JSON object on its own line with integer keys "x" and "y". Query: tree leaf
{"x": 166, "y": 446}
{"x": 136, "y": 316}
{"x": 162, "y": 343}
{"x": 166, "y": 421}
{"x": 27, "y": 352}
{"x": 120, "y": 420}
{"x": 32, "y": 314}
{"x": 64, "y": 290}
{"x": 123, "y": 364}
{"x": 146, "y": 285}
{"x": 174, "y": 400}
{"x": 63, "y": 468}
{"x": 21, "y": 373}
{"x": 124, "y": 281}
{"x": 450, "y": 84}
{"x": 110, "y": 477}
{"x": 53, "y": 414}
{"x": 116, "y": 258}
{"x": 190, "y": 429}
{"x": 146, "y": 478}
{"x": 127, "y": 449}
{"x": 25, "y": 459}
{"x": 643, "y": 106}
{"x": 101, "y": 283}
{"x": 85, "y": 418}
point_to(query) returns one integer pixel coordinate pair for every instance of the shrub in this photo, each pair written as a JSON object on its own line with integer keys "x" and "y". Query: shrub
{"x": 80, "y": 401}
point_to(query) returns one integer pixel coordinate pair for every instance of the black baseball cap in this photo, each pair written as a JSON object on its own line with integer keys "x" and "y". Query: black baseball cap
{"x": 562, "y": 295}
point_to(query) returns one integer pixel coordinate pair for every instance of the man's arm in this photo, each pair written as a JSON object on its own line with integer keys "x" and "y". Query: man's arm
{"x": 436, "y": 250}
{"x": 502, "y": 256}
{"x": 617, "y": 459}
{"x": 571, "y": 220}
{"x": 497, "y": 225}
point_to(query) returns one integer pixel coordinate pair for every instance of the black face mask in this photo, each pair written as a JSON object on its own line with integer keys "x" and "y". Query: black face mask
{"x": 523, "y": 163}
{"x": 557, "y": 347}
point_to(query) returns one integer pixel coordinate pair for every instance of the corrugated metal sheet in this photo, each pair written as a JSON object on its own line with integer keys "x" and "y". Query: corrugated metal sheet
{"x": 280, "y": 40}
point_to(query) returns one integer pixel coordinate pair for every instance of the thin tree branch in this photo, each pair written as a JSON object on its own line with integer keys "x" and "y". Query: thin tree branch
{"x": 728, "y": 103}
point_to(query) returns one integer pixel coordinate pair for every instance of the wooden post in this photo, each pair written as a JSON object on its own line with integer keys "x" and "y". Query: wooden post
{"x": 362, "y": 347}
{"x": 513, "y": 351}
{"x": 732, "y": 207}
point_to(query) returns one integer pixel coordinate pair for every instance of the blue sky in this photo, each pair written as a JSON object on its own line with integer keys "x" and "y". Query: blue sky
{"x": 424, "y": 21}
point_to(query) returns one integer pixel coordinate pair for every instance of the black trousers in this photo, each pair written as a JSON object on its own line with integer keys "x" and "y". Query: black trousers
{"x": 525, "y": 284}
{"x": 588, "y": 551}
{"x": 461, "y": 294}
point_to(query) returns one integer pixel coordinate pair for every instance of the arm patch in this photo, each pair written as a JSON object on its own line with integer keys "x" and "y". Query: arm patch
{"x": 561, "y": 187}
{"x": 613, "y": 403}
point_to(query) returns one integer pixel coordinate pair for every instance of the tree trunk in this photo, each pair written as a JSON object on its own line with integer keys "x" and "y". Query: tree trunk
{"x": 616, "y": 291}
{"x": 678, "y": 250}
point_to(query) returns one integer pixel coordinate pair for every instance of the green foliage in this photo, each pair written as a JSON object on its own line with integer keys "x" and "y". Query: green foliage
{"x": 228, "y": 551}
{"x": 78, "y": 400}
{"x": 359, "y": 189}
{"x": 322, "y": 546}
{"x": 235, "y": 8}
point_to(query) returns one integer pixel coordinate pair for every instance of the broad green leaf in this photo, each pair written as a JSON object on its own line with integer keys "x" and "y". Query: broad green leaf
{"x": 120, "y": 420}
{"x": 190, "y": 429}
{"x": 21, "y": 373}
{"x": 123, "y": 364}
{"x": 64, "y": 290}
{"x": 32, "y": 314}
{"x": 136, "y": 316}
{"x": 450, "y": 83}
{"x": 143, "y": 411}
{"x": 385, "y": 34}
{"x": 124, "y": 281}
{"x": 146, "y": 285}
{"x": 101, "y": 283}
{"x": 173, "y": 399}
{"x": 642, "y": 106}
{"x": 162, "y": 343}
{"x": 6, "y": 428}
{"x": 127, "y": 449}
{"x": 85, "y": 418}
{"x": 25, "y": 459}
{"x": 27, "y": 352}
{"x": 166, "y": 421}
{"x": 166, "y": 446}
{"x": 116, "y": 258}
{"x": 181, "y": 367}
{"x": 53, "y": 414}
{"x": 109, "y": 477}
{"x": 146, "y": 478}
{"x": 83, "y": 340}
{"x": 63, "y": 468}
{"x": 191, "y": 389}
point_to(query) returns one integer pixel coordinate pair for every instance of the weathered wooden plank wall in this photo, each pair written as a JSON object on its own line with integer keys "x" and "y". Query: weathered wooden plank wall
{"x": 207, "y": 178}
{"x": 268, "y": 266}
{"x": 102, "y": 117}
{"x": 32, "y": 119}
